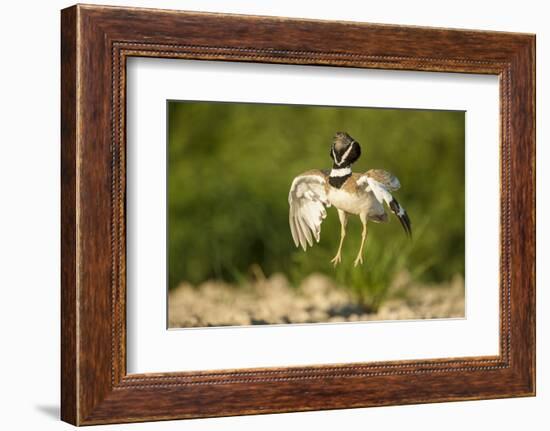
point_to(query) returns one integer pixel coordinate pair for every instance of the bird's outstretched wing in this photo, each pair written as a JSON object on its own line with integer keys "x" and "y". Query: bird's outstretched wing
{"x": 381, "y": 183}
{"x": 307, "y": 200}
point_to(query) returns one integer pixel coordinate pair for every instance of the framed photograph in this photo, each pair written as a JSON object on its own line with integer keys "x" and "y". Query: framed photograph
{"x": 324, "y": 214}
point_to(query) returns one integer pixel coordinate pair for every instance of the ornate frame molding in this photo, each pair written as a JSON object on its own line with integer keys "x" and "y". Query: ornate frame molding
{"x": 96, "y": 41}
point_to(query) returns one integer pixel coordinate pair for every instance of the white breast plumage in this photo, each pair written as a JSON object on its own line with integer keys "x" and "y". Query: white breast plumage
{"x": 354, "y": 203}
{"x": 343, "y": 200}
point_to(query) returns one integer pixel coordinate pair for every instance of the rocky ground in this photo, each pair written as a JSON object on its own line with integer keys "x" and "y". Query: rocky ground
{"x": 317, "y": 299}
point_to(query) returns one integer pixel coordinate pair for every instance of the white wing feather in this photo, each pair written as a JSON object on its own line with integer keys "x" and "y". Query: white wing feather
{"x": 381, "y": 183}
{"x": 381, "y": 191}
{"x": 307, "y": 200}
{"x": 378, "y": 189}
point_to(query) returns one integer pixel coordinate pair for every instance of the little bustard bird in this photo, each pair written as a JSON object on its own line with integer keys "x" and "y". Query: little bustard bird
{"x": 350, "y": 193}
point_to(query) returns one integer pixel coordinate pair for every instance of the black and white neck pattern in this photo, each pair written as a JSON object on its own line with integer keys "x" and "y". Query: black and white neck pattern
{"x": 339, "y": 175}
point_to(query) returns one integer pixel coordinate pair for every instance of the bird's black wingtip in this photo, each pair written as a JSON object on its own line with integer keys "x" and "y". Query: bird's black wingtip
{"x": 409, "y": 228}
{"x": 403, "y": 217}
{"x": 407, "y": 221}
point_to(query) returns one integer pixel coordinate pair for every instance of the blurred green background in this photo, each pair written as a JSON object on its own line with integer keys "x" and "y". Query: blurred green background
{"x": 230, "y": 166}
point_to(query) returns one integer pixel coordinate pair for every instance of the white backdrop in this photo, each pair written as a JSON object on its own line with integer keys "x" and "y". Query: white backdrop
{"x": 29, "y": 227}
{"x": 151, "y": 348}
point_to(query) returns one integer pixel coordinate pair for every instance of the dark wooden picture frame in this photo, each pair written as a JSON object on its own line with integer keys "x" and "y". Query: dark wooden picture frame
{"x": 96, "y": 41}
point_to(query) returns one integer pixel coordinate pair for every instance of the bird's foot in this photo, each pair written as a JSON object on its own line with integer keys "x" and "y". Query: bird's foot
{"x": 337, "y": 259}
{"x": 358, "y": 260}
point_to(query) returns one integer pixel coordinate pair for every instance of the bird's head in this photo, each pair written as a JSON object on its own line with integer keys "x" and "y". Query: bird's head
{"x": 344, "y": 150}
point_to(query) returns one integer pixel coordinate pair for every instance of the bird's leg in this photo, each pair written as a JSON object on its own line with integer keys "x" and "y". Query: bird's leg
{"x": 359, "y": 258}
{"x": 343, "y": 216}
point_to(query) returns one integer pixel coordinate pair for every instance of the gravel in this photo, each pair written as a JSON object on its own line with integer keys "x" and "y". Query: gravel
{"x": 318, "y": 299}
